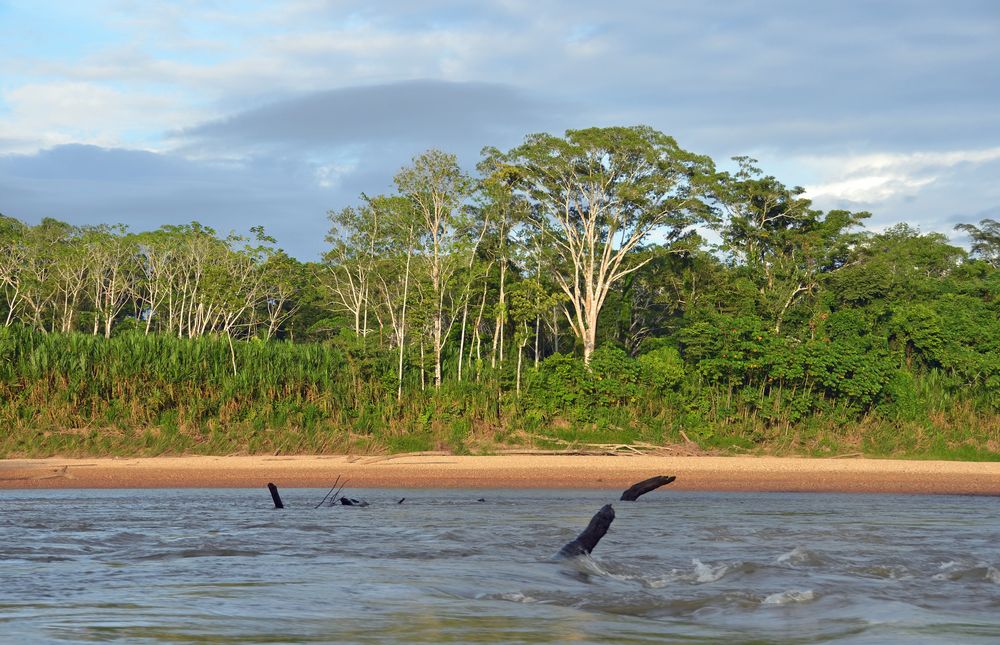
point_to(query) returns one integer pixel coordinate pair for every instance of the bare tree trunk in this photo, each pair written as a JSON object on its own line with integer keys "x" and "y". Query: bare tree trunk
{"x": 232, "y": 351}
{"x": 520, "y": 359}
{"x": 588, "y": 346}
{"x": 364, "y": 321}
{"x": 97, "y": 317}
{"x": 423, "y": 377}
{"x": 538, "y": 316}
{"x": 461, "y": 344}
{"x": 498, "y": 328}
{"x": 555, "y": 329}
{"x": 538, "y": 334}
{"x": 402, "y": 319}
{"x": 788, "y": 303}
{"x": 478, "y": 333}
{"x": 438, "y": 329}
{"x": 590, "y": 335}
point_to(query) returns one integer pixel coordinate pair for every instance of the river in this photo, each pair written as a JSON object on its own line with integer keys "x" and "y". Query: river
{"x": 223, "y": 566}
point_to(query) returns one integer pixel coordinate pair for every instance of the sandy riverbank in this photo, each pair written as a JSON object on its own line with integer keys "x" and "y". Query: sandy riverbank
{"x": 512, "y": 471}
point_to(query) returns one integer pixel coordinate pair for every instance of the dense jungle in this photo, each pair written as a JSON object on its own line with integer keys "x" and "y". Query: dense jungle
{"x": 601, "y": 290}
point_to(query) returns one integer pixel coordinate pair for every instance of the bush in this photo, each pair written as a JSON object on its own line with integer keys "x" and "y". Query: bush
{"x": 662, "y": 368}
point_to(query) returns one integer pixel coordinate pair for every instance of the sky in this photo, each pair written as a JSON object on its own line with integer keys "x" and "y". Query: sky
{"x": 245, "y": 113}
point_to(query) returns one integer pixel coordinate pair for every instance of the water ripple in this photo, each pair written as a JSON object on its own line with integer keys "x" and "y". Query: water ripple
{"x": 222, "y": 566}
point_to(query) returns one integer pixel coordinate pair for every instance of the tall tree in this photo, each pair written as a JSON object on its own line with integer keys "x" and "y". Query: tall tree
{"x": 283, "y": 278}
{"x": 356, "y": 237}
{"x": 502, "y": 210}
{"x": 601, "y": 193}
{"x": 72, "y": 266}
{"x": 898, "y": 265}
{"x": 394, "y": 275}
{"x": 778, "y": 239}
{"x": 154, "y": 290}
{"x": 437, "y": 187}
{"x": 985, "y": 240}
{"x": 13, "y": 255}
{"x": 38, "y": 273}
{"x": 114, "y": 266}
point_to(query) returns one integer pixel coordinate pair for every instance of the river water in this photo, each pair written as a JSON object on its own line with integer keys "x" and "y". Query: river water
{"x": 222, "y": 566}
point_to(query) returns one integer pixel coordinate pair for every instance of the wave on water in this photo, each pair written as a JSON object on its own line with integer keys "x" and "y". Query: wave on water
{"x": 205, "y": 552}
{"x": 882, "y": 571}
{"x": 790, "y": 597}
{"x": 956, "y": 572}
{"x": 700, "y": 573}
{"x": 166, "y": 565}
{"x": 515, "y": 597}
{"x": 801, "y": 557}
{"x": 586, "y": 565}
{"x": 707, "y": 573}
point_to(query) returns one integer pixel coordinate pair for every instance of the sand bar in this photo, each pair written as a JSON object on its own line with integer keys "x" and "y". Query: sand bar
{"x": 509, "y": 471}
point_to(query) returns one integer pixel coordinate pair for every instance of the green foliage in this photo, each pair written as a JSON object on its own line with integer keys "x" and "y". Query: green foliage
{"x": 561, "y": 384}
{"x": 663, "y": 368}
{"x": 560, "y": 298}
{"x": 901, "y": 399}
{"x": 985, "y": 240}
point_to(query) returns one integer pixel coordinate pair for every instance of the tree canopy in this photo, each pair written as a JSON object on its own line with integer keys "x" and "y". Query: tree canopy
{"x": 564, "y": 279}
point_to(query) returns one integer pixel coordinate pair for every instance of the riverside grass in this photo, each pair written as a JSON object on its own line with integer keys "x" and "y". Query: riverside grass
{"x": 146, "y": 395}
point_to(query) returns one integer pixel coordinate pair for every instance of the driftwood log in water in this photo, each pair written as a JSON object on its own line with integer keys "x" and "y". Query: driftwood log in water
{"x": 347, "y": 501}
{"x": 586, "y": 541}
{"x": 645, "y": 486}
{"x": 332, "y": 488}
{"x": 275, "y": 496}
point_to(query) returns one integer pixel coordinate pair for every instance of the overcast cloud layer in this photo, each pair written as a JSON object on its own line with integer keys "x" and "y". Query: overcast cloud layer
{"x": 244, "y": 113}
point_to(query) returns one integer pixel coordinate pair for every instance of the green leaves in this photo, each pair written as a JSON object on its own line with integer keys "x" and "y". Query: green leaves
{"x": 567, "y": 250}
{"x": 985, "y": 240}
{"x": 776, "y": 241}
{"x": 851, "y": 368}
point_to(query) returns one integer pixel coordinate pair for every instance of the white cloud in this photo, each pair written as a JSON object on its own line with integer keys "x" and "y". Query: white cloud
{"x": 781, "y": 76}
{"x": 868, "y": 188}
{"x": 330, "y": 175}
{"x": 873, "y": 178}
{"x": 42, "y": 115}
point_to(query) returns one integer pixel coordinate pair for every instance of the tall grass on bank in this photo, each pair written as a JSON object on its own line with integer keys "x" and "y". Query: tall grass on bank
{"x": 76, "y": 394}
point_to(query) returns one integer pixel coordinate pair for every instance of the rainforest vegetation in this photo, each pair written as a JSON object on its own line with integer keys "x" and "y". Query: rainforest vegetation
{"x": 601, "y": 287}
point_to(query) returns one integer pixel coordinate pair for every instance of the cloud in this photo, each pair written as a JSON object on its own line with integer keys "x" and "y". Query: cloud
{"x": 282, "y": 165}
{"x": 724, "y": 78}
{"x": 931, "y": 190}
{"x": 355, "y": 139}
{"x": 406, "y": 112}
{"x": 68, "y": 112}
{"x": 880, "y": 177}
{"x": 91, "y": 185}
{"x": 308, "y": 102}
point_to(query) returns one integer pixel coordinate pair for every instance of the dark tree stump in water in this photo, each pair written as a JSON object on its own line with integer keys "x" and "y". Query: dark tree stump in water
{"x": 586, "y": 541}
{"x": 275, "y": 496}
{"x": 645, "y": 486}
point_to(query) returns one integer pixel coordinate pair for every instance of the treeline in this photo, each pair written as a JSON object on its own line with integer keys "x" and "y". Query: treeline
{"x": 564, "y": 292}
{"x": 180, "y": 280}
